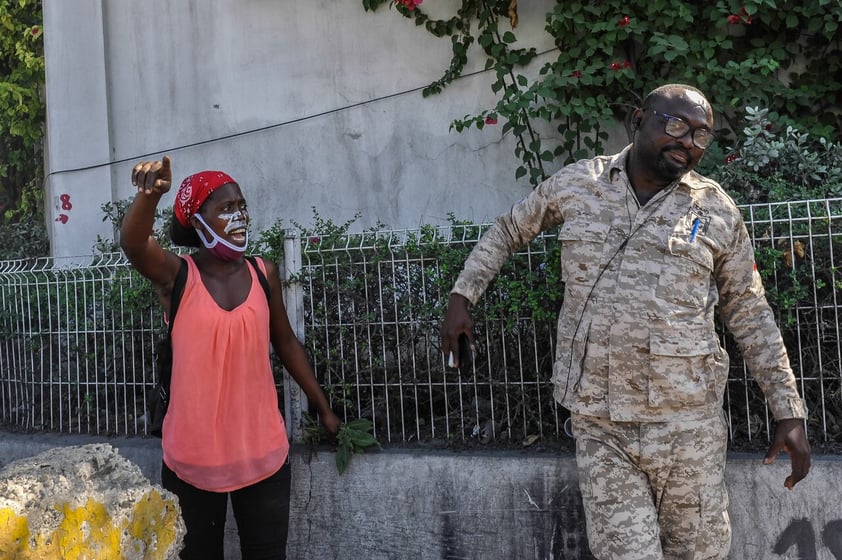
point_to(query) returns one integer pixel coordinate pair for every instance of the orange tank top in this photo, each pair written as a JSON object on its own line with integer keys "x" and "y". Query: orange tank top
{"x": 223, "y": 429}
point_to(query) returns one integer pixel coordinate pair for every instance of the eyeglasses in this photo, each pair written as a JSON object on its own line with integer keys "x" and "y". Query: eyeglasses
{"x": 678, "y": 127}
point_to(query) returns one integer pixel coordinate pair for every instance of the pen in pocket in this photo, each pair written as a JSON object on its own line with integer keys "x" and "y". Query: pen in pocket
{"x": 695, "y": 230}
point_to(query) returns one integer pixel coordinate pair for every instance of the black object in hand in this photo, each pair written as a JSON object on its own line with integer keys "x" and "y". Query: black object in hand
{"x": 465, "y": 353}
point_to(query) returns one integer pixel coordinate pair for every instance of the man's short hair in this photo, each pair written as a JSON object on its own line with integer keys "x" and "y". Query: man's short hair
{"x": 663, "y": 91}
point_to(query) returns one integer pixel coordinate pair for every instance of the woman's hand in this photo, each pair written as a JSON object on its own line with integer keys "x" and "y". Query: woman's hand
{"x": 330, "y": 421}
{"x": 152, "y": 176}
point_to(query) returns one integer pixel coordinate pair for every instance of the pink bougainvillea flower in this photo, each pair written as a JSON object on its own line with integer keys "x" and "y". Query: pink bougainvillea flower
{"x": 490, "y": 120}
{"x": 624, "y": 21}
{"x": 314, "y": 240}
{"x": 742, "y": 17}
{"x": 409, "y": 4}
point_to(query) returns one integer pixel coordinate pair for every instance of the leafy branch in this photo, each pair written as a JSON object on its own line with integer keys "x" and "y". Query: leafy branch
{"x": 353, "y": 437}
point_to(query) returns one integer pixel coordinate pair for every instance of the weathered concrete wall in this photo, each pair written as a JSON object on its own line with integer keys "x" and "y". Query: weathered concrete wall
{"x": 307, "y": 104}
{"x": 399, "y": 504}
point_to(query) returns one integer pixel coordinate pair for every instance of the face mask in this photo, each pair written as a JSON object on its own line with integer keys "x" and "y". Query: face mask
{"x": 219, "y": 247}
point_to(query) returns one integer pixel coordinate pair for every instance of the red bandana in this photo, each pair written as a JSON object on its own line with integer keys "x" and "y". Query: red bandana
{"x": 193, "y": 192}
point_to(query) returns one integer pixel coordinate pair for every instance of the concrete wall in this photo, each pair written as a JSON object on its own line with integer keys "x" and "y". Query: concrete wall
{"x": 305, "y": 103}
{"x": 398, "y": 504}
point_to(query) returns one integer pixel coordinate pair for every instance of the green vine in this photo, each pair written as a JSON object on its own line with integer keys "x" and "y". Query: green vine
{"x": 768, "y": 53}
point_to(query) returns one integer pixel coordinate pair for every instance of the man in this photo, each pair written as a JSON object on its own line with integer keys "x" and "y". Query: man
{"x": 648, "y": 249}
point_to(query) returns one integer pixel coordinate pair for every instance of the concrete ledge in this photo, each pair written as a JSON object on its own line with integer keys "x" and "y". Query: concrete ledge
{"x": 434, "y": 504}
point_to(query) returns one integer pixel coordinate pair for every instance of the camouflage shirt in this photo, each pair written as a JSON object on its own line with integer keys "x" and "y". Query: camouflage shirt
{"x": 636, "y": 337}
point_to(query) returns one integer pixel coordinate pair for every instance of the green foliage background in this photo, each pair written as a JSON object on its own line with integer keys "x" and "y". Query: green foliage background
{"x": 22, "y": 114}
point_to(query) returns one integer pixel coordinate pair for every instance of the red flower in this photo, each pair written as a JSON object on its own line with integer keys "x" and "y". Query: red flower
{"x": 575, "y": 74}
{"x": 409, "y": 4}
{"x": 490, "y": 120}
{"x": 624, "y": 21}
{"x": 730, "y": 158}
{"x": 742, "y": 17}
{"x": 615, "y": 66}
{"x": 314, "y": 240}
{"x": 35, "y": 30}
{"x": 626, "y": 64}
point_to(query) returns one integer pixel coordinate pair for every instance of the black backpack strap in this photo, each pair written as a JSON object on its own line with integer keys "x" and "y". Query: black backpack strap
{"x": 177, "y": 292}
{"x": 175, "y": 300}
{"x": 264, "y": 283}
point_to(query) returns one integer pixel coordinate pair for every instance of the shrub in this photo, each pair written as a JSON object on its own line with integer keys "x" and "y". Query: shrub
{"x": 776, "y": 162}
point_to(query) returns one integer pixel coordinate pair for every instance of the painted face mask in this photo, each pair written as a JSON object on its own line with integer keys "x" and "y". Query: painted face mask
{"x": 219, "y": 247}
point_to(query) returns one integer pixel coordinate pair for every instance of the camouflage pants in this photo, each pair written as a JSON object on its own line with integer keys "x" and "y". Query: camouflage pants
{"x": 653, "y": 490}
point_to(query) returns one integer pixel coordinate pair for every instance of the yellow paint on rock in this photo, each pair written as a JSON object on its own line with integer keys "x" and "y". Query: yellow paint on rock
{"x": 14, "y": 534}
{"x": 89, "y": 533}
{"x": 153, "y": 521}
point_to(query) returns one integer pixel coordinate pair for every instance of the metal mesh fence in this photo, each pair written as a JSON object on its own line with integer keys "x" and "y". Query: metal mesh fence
{"x": 76, "y": 346}
{"x": 78, "y": 334}
{"x": 375, "y": 306}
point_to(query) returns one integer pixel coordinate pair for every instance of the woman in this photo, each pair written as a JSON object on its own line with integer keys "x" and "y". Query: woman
{"x": 223, "y": 433}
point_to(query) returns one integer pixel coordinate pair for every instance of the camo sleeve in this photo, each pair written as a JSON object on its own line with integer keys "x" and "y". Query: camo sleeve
{"x": 527, "y": 218}
{"x": 748, "y": 317}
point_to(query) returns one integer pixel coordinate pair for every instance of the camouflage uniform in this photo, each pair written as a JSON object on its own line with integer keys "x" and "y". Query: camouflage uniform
{"x": 636, "y": 338}
{"x": 654, "y": 490}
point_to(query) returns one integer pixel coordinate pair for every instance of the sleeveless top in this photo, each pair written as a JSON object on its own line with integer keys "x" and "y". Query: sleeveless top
{"x": 223, "y": 429}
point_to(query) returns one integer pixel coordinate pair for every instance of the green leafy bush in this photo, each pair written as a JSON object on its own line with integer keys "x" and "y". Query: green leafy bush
{"x": 774, "y": 162}
{"x": 22, "y": 114}
{"x": 771, "y": 53}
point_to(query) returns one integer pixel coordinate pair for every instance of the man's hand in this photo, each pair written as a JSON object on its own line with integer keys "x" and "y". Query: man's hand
{"x": 457, "y": 321}
{"x": 152, "y": 176}
{"x": 791, "y": 438}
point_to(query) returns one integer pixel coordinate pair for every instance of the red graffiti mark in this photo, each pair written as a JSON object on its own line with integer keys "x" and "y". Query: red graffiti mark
{"x": 62, "y": 218}
{"x": 65, "y": 202}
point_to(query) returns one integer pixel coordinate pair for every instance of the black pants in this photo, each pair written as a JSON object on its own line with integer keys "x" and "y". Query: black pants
{"x": 261, "y": 511}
